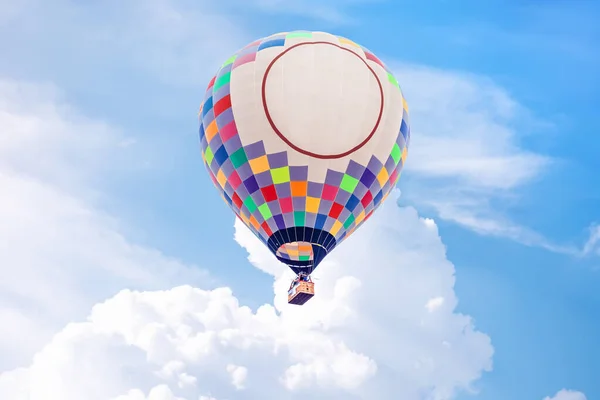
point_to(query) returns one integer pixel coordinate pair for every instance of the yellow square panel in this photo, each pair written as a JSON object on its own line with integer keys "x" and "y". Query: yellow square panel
{"x": 293, "y": 252}
{"x": 347, "y": 41}
{"x": 312, "y": 204}
{"x": 221, "y": 178}
{"x": 336, "y": 227}
{"x": 260, "y": 164}
{"x": 360, "y": 217}
{"x": 383, "y": 176}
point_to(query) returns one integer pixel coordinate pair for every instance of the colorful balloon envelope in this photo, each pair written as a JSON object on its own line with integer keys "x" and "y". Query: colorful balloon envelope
{"x": 304, "y": 134}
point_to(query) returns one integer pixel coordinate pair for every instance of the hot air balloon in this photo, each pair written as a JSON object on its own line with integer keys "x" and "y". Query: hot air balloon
{"x": 304, "y": 134}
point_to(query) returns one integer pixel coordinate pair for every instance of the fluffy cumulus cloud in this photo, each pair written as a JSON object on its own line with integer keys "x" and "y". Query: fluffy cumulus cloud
{"x": 382, "y": 325}
{"x": 388, "y": 294}
{"x": 565, "y": 394}
{"x": 59, "y": 253}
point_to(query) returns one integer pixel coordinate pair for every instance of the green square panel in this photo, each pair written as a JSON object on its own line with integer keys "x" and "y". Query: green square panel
{"x": 392, "y": 80}
{"x": 265, "y": 211}
{"x": 208, "y": 155}
{"x": 249, "y": 202}
{"x": 299, "y": 35}
{"x": 230, "y": 60}
{"x": 239, "y": 158}
{"x": 349, "y": 221}
{"x": 222, "y": 81}
{"x": 396, "y": 153}
{"x": 299, "y": 218}
{"x": 348, "y": 183}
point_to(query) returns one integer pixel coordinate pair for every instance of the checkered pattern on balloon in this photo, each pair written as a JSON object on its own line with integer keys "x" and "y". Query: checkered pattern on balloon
{"x": 299, "y": 219}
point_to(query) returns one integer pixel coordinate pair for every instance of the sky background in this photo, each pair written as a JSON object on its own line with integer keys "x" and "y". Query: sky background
{"x": 492, "y": 237}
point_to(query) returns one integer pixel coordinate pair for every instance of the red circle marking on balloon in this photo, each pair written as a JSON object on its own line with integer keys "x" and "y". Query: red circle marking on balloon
{"x": 288, "y": 141}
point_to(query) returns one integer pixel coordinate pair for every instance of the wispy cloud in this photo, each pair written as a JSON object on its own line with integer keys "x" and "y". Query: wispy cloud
{"x": 592, "y": 246}
{"x": 173, "y": 40}
{"x": 466, "y": 160}
{"x": 43, "y": 136}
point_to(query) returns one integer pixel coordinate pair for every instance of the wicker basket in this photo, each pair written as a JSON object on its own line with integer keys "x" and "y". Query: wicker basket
{"x": 301, "y": 293}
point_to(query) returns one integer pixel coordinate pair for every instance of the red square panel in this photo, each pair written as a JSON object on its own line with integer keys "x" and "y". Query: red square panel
{"x": 222, "y": 105}
{"x": 269, "y": 193}
{"x": 237, "y": 200}
{"x": 212, "y": 82}
{"x": 336, "y": 210}
{"x": 367, "y": 199}
{"x": 266, "y": 228}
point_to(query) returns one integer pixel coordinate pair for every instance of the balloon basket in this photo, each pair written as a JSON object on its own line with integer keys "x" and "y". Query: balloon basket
{"x": 301, "y": 292}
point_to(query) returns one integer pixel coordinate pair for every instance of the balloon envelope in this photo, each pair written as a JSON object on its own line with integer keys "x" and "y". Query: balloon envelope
{"x": 304, "y": 134}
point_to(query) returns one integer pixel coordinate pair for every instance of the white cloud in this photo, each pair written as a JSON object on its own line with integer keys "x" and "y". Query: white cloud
{"x": 592, "y": 246}
{"x": 411, "y": 270}
{"x": 565, "y": 394}
{"x": 59, "y": 253}
{"x": 466, "y": 129}
{"x": 160, "y": 392}
{"x": 366, "y": 334}
{"x": 466, "y": 161}
{"x": 43, "y": 136}
{"x": 434, "y": 303}
{"x": 238, "y": 375}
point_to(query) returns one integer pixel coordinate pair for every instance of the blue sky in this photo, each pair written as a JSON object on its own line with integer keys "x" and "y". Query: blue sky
{"x": 513, "y": 85}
